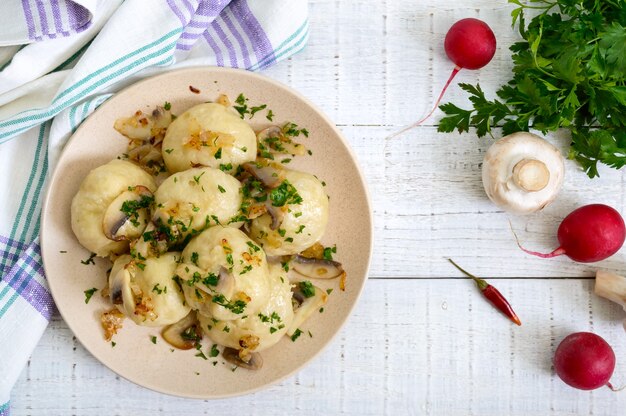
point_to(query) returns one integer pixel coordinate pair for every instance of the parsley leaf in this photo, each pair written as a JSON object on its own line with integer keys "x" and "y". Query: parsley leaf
{"x": 569, "y": 72}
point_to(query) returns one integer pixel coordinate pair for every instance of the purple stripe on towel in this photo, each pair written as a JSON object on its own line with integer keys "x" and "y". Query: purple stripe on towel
{"x": 229, "y": 46}
{"x": 29, "y": 20}
{"x": 79, "y": 17}
{"x": 260, "y": 42}
{"x": 177, "y": 12}
{"x": 21, "y": 279}
{"x": 244, "y": 49}
{"x": 56, "y": 15}
{"x": 219, "y": 59}
{"x": 43, "y": 19}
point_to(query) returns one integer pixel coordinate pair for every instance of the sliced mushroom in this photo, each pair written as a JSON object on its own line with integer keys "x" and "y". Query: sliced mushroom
{"x": 305, "y": 306}
{"x": 255, "y": 361}
{"x": 316, "y": 268}
{"x": 276, "y": 213}
{"x": 274, "y": 138}
{"x": 121, "y": 223}
{"x": 270, "y": 174}
{"x": 119, "y": 284}
{"x": 226, "y": 284}
{"x": 184, "y": 334}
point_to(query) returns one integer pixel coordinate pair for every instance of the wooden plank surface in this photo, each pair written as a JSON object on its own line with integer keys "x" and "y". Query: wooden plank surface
{"x": 419, "y": 342}
{"x": 432, "y": 347}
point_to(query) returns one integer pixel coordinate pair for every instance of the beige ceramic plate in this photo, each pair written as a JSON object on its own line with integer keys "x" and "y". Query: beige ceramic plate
{"x": 135, "y": 357}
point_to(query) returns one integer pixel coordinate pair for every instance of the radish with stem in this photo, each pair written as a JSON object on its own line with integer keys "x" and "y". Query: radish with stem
{"x": 470, "y": 44}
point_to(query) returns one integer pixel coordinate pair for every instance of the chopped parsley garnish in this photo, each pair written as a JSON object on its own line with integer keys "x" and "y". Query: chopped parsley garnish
{"x": 328, "y": 252}
{"x": 113, "y": 344}
{"x": 270, "y": 115}
{"x": 167, "y": 106}
{"x": 194, "y": 258}
{"x": 221, "y": 188}
{"x": 89, "y": 260}
{"x": 214, "y": 351}
{"x": 89, "y": 293}
{"x": 242, "y": 107}
{"x": 190, "y": 334}
{"x": 299, "y": 230}
{"x": 226, "y": 167}
{"x": 285, "y": 161}
{"x": 297, "y": 214}
{"x": 291, "y": 129}
{"x": 158, "y": 289}
{"x": 218, "y": 154}
{"x": 254, "y": 110}
{"x": 329, "y": 291}
{"x": 282, "y": 232}
{"x": 211, "y": 280}
{"x": 321, "y": 310}
{"x": 289, "y": 239}
{"x": 285, "y": 266}
{"x": 131, "y": 207}
{"x": 236, "y": 307}
{"x": 168, "y": 151}
{"x": 246, "y": 269}
{"x": 253, "y": 247}
{"x": 296, "y": 334}
{"x": 307, "y": 288}
{"x": 197, "y": 178}
{"x": 153, "y": 339}
{"x": 201, "y": 355}
{"x": 284, "y": 194}
{"x": 226, "y": 328}
{"x": 310, "y": 334}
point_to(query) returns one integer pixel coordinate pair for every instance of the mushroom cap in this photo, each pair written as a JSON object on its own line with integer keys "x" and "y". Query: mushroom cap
{"x": 505, "y": 188}
{"x": 99, "y": 188}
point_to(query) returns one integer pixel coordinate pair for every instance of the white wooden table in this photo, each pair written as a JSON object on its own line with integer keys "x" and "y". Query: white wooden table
{"x": 422, "y": 340}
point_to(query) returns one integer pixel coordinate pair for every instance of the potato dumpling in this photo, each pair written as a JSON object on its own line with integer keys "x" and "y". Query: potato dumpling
{"x": 190, "y": 201}
{"x": 224, "y": 274}
{"x": 262, "y": 329}
{"x": 302, "y": 222}
{"x": 145, "y": 291}
{"x": 208, "y": 135}
{"x": 100, "y": 188}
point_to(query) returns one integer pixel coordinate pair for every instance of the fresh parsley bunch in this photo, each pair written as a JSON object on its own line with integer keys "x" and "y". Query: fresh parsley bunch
{"x": 569, "y": 72}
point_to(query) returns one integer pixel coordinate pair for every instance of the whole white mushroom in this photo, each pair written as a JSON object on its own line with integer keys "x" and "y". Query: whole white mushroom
{"x": 522, "y": 173}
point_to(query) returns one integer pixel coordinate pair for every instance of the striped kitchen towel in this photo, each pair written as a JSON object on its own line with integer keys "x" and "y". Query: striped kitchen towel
{"x": 61, "y": 59}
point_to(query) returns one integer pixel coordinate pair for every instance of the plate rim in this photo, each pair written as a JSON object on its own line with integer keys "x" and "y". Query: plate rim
{"x": 361, "y": 178}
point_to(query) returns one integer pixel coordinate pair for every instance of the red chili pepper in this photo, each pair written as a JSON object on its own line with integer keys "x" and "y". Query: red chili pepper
{"x": 492, "y": 294}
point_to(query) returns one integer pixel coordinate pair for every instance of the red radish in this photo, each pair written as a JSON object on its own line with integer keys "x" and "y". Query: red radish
{"x": 588, "y": 234}
{"x": 584, "y": 361}
{"x": 470, "y": 43}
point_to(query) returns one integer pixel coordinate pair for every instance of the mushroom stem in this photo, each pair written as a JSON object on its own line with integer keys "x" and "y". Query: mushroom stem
{"x": 532, "y": 175}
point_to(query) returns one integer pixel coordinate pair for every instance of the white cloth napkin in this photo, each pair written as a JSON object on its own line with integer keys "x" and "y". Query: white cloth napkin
{"x": 61, "y": 59}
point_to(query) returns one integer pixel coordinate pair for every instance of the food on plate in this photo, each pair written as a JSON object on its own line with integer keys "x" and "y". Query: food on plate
{"x": 522, "y": 173}
{"x": 612, "y": 287}
{"x": 189, "y": 201}
{"x": 585, "y": 361}
{"x": 144, "y": 290}
{"x": 209, "y": 233}
{"x": 208, "y": 134}
{"x": 259, "y": 327}
{"x": 588, "y": 234}
{"x": 297, "y": 215}
{"x": 109, "y": 208}
{"x": 470, "y": 44}
{"x": 224, "y": 262}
